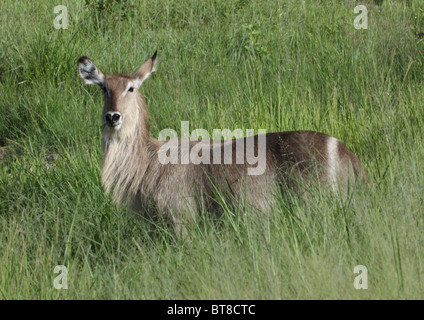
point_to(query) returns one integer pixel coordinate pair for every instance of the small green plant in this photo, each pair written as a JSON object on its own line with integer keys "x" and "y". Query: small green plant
{"x": 249, "y": 40}
{"x": 116, "y": 10}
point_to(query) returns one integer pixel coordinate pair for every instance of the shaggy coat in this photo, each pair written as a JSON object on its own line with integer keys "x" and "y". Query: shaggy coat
{"x": 132, "y": 172}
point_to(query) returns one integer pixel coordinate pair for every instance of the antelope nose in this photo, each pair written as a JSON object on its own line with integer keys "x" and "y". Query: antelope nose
{"x": 112, "y": 118}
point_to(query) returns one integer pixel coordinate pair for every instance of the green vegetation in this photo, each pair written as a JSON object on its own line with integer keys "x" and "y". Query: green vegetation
{"x": 278, "y": 65}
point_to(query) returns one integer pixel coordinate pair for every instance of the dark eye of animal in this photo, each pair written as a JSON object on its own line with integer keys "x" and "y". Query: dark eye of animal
{"x": 131, "y": 89}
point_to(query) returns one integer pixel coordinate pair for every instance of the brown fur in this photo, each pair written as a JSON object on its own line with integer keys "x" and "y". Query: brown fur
{"x": 132, "y": 172}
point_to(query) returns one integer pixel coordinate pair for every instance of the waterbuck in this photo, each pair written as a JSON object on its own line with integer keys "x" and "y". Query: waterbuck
{"x": 158, "y": 177}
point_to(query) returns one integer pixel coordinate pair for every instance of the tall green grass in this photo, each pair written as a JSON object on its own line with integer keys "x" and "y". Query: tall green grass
{"x": 277, "y": 65}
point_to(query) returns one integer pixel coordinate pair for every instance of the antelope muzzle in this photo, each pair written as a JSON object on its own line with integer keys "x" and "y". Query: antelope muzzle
{"x": 113, "y": 119}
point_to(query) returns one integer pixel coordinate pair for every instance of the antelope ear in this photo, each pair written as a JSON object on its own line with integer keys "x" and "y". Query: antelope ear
{"x": 89, "y": 73}
{"x": 146, "y": 69}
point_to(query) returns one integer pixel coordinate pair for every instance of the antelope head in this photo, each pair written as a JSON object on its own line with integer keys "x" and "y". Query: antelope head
{"x": 122, "y": 100}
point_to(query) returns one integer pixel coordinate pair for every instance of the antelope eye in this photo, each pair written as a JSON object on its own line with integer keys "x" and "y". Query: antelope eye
{"x": 131, "y": 89}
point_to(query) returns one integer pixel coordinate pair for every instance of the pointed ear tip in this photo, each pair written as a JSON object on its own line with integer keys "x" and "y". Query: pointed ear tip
{"x": 155, "y": 55}
{"x": 82, "y": 59}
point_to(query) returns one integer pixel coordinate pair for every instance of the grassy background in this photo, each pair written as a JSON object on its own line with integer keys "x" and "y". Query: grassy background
{"x": 279, "y": 65}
